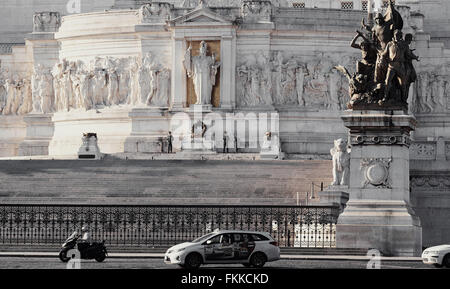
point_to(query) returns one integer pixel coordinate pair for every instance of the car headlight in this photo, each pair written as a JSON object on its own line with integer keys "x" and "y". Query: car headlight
{"x": 431, "y": 252}
{"x": 182, "y": 249}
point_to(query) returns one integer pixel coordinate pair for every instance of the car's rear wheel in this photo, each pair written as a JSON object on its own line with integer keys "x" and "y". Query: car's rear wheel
{"x": 193, "y": 261}
{"x": 446, "y": 261}
{"x": 258, "y": 260}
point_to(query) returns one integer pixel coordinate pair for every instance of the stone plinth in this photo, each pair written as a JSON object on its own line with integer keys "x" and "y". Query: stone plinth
{"x": 378, "y": 214}
{"x": 39, "y": 134}
{"x": 89, "y": 149}
{"x": 149, "y": 127}
{"x": 334, "y": 196}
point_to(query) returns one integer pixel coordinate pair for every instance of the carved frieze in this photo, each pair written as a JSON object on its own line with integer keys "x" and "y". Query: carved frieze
{"x": 46, "y": 21}
{"x": 265, "y": 79}
{"x": 376, "y": 172}
{"x": 434, "y": 182}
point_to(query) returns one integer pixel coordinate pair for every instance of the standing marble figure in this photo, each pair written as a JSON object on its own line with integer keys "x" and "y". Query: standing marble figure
{"x": 203, "y": 70}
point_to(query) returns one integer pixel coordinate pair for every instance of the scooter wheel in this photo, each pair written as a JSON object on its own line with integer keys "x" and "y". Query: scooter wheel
{"x": 101, "y": 257}
{"x": 63, "y": 256}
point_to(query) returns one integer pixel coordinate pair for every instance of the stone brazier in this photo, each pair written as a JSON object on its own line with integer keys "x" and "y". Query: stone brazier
{"x": 378, "y": 214}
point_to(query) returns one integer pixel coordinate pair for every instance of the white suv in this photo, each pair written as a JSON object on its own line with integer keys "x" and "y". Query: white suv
{"x": 225, "y": 247}
{"x": 439, "y": 256}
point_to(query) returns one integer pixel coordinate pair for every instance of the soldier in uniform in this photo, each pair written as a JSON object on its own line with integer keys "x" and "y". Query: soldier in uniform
{"x": 169, "y": 142}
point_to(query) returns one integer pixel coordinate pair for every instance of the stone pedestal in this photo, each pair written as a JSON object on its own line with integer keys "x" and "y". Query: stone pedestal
{"x": 149, "y": 129}
{"x": 378, "y": 214}
{"x": 89, "y": 149}
{"x": 334, "y": 196}
{"x": 40, "y": 130}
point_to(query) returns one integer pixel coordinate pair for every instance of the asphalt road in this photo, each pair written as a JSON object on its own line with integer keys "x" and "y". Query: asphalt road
{"x": 152, "y": 263}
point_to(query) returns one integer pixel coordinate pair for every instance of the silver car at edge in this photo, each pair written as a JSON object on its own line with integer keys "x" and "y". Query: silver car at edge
{"x": 250, "y": 248}
{"x": 438, "y": 256}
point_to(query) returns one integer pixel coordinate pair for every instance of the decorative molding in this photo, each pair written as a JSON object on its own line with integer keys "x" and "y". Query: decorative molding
{"x": 376, "y": 172}
{"x": 380, "y": 140}
{"x": 435, "y": 182}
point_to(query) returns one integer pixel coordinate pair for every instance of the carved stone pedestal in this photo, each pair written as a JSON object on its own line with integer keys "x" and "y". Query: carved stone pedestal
{"x": 378, "y": 214}
{"x": 39, "y": 134}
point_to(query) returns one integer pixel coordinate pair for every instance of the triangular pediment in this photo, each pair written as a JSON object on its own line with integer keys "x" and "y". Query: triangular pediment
{"x": 200, "y": 16}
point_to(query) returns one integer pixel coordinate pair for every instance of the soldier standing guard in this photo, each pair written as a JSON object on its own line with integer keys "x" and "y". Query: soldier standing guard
{"x": 225, "y": 142}
{"x": 169, "y": 142}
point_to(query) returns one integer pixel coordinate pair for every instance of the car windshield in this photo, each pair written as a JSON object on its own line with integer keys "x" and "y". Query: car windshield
{"x": 203, "y": 238}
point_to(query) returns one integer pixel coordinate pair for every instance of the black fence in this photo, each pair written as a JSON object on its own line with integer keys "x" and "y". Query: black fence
{"x": 154, "y": 226}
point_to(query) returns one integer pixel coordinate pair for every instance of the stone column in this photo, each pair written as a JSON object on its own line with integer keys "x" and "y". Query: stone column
{"x": 378, "y": 214}
{"x": 178, "y": 75}
{"x": 226, "y": 81}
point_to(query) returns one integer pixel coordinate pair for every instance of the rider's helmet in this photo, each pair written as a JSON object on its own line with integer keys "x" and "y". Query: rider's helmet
{"x": 85, "y": 228}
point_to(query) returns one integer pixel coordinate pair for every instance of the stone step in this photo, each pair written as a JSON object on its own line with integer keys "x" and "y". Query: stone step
{"x": 160, "y": 180}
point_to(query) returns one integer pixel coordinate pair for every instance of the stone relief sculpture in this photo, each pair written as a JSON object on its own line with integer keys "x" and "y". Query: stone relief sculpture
{"x": 46, "y": 21}
{"x": 71, "y": 85}
{"x": 203, "y": 70}
{"x": 295, "y": 81}
{"x": 155, "y": 12}
{"x": 256, "y": 10}
{"x": 341, "y": 163}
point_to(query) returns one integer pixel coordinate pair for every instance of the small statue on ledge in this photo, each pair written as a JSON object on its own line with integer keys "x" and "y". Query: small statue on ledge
{"x": 385, "y": 73}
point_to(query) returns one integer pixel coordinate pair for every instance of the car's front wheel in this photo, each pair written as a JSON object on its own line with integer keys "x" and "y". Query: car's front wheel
{"x": 258, "y": 260}
{"x": 193, "y": 261}
{"x": 446, "y": 261}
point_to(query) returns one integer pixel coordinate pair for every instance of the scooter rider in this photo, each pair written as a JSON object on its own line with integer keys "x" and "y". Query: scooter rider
{"x": 85, "y": 240}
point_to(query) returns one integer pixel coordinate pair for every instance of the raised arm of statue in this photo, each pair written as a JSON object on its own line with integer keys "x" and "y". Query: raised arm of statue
{"x": 188, "y": 61}
{"x": 354, "y": 44}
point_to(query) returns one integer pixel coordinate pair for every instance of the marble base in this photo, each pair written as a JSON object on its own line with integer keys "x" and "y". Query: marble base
{"x": 378, "y": 214}
{"x": 334, "y": 196}
{"x": 39, "y": 133}
{"x": 388, "y": 226}
{"x": 271, "y": 155}
{"x": 90, "y": 150}
{"x": 199, "y": 145}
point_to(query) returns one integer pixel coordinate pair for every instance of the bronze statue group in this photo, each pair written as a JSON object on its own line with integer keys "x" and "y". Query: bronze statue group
{"x": 385, "y": 72}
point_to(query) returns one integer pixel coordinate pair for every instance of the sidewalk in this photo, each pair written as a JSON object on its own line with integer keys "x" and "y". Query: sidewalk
{"x": 161, "y": 255}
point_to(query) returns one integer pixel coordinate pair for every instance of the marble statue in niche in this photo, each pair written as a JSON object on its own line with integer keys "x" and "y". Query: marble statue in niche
{"x": 202, "y": 69}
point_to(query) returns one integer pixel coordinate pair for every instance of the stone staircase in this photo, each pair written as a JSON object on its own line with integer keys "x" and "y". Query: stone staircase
{"x": 168, "y": 182}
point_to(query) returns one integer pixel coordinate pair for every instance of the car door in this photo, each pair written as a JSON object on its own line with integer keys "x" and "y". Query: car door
{"x": 219, "y": 248}
{"x": 245, "y": 246}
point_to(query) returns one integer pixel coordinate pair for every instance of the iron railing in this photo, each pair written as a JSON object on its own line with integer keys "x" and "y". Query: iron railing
{"x": 152, "y": 226}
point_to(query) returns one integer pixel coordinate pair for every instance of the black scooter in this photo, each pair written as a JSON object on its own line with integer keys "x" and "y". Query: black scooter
{"x": 87, "y": 251}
